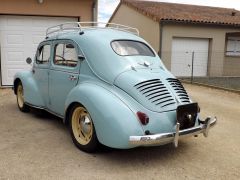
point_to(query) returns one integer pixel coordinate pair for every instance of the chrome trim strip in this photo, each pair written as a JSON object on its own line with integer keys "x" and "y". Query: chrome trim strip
{"x": 164, "y": 138}
{"x": 33, "y": 106}
{"x": 45, "y": 109}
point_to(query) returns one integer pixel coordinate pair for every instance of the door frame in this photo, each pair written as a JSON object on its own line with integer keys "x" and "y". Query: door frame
{"x": 62, "y": 69}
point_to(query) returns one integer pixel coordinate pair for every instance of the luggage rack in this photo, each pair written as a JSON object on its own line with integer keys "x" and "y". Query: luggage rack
{"x": 80, "y": 26}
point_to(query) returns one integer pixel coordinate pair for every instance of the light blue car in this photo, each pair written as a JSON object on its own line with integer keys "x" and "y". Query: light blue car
{"x": 110, "y": 87}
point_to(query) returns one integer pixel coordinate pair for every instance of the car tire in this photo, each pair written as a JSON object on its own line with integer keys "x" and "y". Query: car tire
{"x": 82, "y": 129}
{"x": 20, "y": 98}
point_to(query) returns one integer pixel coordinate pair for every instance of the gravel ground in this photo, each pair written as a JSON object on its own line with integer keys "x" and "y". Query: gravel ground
{"x": 36, "y": 146}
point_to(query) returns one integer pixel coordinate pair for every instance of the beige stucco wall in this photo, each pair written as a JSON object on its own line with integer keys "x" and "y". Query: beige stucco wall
{"x": 148, "y": 28}
{"x": 218, "y": 64}
{"x": 231, "y": 66}
{"x": 71, "y": 8}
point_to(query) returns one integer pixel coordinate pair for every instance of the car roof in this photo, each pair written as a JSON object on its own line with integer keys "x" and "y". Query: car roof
{"x": 96, "y": 47}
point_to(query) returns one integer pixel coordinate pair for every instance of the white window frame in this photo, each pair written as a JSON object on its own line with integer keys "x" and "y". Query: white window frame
{"x": 233, "y": 46}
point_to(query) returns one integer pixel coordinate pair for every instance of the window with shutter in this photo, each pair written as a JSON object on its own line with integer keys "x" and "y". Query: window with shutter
{"x": 233, "y": 46}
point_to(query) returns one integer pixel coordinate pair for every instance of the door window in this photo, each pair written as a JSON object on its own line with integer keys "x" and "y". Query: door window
{"x": 43, "y": 54}
{"x": 65, "y": 55}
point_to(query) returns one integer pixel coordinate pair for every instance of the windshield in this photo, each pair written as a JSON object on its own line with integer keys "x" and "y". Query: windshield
{"x": 131, "y": 48}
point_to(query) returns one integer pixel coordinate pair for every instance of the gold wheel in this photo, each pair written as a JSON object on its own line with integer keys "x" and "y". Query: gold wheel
{"x": 82, "y": 125}
{"x": 20, "y": 98}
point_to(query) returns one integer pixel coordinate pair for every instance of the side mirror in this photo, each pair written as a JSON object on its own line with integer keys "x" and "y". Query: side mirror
{"x": 81, "y": 57}
{"x": 29, "y": 60}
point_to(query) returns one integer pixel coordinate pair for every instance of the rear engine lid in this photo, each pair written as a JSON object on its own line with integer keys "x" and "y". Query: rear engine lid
{"x": 150, "y": 88}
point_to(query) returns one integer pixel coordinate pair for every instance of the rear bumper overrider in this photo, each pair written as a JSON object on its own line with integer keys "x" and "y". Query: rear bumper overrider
{"x": 164, "y": 138}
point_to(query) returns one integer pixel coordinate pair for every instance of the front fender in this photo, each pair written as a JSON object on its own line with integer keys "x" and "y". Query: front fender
{"x": 31, "y": 92}
{"x": 113, "y": 120}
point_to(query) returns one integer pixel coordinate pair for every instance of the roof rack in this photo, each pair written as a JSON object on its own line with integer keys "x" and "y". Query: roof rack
{"x": 80, "y": 26}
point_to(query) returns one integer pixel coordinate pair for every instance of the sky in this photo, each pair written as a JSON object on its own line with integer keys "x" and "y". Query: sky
{"x": 107, "y": 7}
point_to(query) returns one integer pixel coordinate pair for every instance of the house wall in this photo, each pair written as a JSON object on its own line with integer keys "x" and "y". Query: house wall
{"x": 231, "y": 66}
{"x": 218, "y": 64}
{"x": 68, "y": 8}
{"x": 148, "y": 28}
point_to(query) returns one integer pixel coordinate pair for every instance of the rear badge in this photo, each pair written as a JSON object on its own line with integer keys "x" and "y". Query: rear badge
{"x": 145, "y": 138}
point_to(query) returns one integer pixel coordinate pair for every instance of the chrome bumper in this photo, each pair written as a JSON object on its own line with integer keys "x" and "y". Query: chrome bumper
{"x": 164, "y": 138}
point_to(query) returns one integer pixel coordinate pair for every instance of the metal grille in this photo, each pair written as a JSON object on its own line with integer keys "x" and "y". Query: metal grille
{"x": 156, "y": 92}
{"x": 179, "y": 90}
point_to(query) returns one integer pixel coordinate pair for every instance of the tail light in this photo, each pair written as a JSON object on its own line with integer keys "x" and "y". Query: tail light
{"x": 144, "y": 119}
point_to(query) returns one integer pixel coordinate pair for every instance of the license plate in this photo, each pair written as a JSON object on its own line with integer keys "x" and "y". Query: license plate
{"x": 186, "y": 115}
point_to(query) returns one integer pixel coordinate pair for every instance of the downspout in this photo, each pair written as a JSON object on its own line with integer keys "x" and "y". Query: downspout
{"x": 95, "y": 11}
{"x": 160, "y": 38}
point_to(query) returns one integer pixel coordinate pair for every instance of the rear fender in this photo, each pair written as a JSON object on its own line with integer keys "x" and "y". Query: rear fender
{"x": 114, "y": 121}
{"x": 31, "y": 92}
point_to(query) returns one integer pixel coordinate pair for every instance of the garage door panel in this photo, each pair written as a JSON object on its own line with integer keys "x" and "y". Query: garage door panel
{"x": 15, "y": 39}
{"x": 11, "y": 71}
{"x": 19, "y": 38}
{"x": 36, "y": 38}
{"x": 15, "y": 22}
{"x": 18, "y": 21}
{"x": 13, "y": 55}
{"x": 181, "y": 61}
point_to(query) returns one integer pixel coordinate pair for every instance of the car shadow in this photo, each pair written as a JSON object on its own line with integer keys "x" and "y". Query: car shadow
{"x": 140, "y": 155}
{"x": 143, "y": 155}
{"x": 43, "y": 115}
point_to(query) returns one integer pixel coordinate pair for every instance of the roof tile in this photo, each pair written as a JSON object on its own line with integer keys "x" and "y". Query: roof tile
{"x": 188, "y": 13}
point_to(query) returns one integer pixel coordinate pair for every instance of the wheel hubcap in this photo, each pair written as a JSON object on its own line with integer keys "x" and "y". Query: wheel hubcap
{"x": 20, "y": 96}
{"x": 82, "y": 125}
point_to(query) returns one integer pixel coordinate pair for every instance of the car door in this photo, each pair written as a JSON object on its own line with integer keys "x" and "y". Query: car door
{"x": 41, "y": 69}
{"x": 63, "y": 74}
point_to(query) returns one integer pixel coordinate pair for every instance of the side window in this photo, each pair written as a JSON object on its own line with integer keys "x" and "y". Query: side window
{"x": 43, "y": 54}
{"x": 65, "y": 55}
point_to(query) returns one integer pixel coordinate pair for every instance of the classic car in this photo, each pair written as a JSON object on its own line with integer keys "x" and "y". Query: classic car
{"x": 110, "y": 87}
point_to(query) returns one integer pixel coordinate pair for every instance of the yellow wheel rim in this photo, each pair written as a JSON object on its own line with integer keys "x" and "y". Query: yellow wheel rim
{"x": 82, "y": 125}
{"x": 20, "y": 97}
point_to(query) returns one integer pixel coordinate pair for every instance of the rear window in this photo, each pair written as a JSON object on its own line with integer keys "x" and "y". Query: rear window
{"x": 131, "y": 48}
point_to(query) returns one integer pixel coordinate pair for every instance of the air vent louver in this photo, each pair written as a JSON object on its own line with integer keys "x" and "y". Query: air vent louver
{"x": 156, "y": 92}
{"x": 179, "y": 90}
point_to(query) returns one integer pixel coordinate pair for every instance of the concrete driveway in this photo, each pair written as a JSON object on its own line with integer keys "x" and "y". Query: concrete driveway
{"x": 35, "y": 146}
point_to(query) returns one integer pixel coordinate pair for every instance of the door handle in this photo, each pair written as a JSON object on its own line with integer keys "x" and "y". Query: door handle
{"x": 72, "y": 78}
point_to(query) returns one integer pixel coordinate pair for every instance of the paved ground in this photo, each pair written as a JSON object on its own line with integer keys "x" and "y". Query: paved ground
{"x": 222, "y": 82}
{"x": 35, "y": 146}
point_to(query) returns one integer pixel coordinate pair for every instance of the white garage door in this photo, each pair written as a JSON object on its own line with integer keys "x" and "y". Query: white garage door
{"x": 181, "y": 62}
{"x": 19, "y": 38}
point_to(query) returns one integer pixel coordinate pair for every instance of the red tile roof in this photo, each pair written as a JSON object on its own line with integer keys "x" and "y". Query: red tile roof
{"x": 159, "y": 11}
